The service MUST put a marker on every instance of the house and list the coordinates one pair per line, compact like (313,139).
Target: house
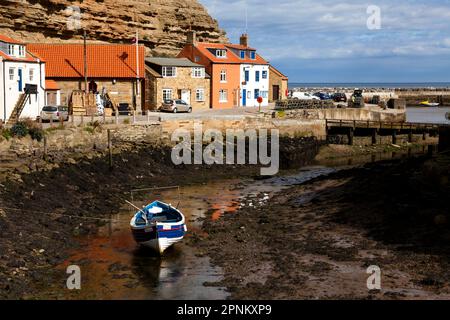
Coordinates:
(176,78)
(238,74)
(22,81)
(278,85)
(111,69)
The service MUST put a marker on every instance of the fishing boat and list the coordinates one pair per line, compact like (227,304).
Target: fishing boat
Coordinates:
(158,226)
(429,104)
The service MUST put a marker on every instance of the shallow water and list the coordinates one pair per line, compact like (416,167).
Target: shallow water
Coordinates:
(427,114)
(114,267)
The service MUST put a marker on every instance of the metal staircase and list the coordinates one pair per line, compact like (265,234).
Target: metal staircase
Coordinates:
(20,104)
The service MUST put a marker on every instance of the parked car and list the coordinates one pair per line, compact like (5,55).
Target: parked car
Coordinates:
(322,95)
(175,106)
(54,113)
(304,96)
(357,99)
(339,97)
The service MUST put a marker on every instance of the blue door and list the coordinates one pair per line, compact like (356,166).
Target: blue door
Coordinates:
(244,98)
(20,80)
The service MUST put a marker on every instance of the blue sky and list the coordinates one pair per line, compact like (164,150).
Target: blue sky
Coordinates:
(329,41)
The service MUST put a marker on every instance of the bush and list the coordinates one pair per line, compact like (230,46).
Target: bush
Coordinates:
(36,133)
(6,133)
(19,129)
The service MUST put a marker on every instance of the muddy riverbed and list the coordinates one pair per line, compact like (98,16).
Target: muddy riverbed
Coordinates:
(206,265)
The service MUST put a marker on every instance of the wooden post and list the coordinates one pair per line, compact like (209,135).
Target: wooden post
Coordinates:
(350,136)
(134,116)
(116,115)
(51,122)
(45,147)
(394,136)
(110,150)
(374,136)
(424,135)
(410,136)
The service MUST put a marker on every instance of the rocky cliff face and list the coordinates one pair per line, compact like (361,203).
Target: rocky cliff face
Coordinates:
(162,24)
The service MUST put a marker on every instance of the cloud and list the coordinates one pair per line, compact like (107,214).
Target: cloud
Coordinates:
(325,29)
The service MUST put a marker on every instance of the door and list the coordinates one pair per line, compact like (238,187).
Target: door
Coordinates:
(186,96)
(244,97)
(20,80)
(276,92)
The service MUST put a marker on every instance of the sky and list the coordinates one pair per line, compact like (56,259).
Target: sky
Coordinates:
(344,41)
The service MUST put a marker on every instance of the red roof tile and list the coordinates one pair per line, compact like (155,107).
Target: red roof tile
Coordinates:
(28,57)
(9,40)
(231,57)
(66,60)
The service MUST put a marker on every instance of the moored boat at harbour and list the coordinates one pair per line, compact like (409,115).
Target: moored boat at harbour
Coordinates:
(158,226)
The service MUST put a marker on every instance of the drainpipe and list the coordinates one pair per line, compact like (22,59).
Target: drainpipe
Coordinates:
(42,87)
(4,91)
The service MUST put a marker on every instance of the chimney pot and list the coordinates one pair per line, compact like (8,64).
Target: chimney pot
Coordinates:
(243,40)
(191,38)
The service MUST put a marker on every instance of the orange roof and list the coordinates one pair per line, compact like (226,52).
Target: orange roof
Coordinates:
(28,57)
(231,57)
(66,60)
(51,85)
(9,40)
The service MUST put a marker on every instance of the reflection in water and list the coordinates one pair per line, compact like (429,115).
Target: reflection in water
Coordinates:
(114,267)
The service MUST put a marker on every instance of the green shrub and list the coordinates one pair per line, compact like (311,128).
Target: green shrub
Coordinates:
(6,133)
(19,129)
(36,133)
(126,121)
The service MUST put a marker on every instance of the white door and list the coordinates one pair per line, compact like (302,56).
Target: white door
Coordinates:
(186,96)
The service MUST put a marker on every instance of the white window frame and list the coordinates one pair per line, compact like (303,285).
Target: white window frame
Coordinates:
(221,53)
(223,95)
(167,74)
(264,74)
(12,73)
(31,74)
(200,94)
(166,92)
(223,76)
(11,50)
(21,51)
(198,72)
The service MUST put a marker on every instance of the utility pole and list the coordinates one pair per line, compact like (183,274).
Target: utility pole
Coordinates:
(85,63)
(138,89)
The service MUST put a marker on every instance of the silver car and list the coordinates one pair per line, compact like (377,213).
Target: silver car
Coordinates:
(55,113)
(175,106)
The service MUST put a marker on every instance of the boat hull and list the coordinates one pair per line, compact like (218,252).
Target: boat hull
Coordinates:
(158,238)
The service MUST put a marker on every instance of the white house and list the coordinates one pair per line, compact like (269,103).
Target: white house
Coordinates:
(22,78)
(254,74)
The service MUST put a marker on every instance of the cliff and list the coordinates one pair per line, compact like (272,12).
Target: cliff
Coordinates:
(162,24)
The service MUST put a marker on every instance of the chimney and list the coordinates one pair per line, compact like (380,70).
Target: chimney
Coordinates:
(243,40)
(191,38)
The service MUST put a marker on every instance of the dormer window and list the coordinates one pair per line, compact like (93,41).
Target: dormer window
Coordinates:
(221,53)
(21,51)
(242,54)
(10,49)
(252,55)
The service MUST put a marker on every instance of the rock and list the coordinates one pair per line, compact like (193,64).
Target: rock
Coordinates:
(162,25)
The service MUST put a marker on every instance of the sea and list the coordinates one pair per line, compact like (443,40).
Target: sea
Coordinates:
(380,85)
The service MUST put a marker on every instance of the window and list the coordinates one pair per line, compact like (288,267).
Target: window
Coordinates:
(249,94)
(221,53)
(257,76)
(263,94)
(256,93)
(167,94)
(31,74)
(247,76)
(200,94)
(242,53)
(223,76)
(169,72)
(223,96)
(10,49)
(264,74)
(21,51)
(252,55)
(198,72)
(11,73)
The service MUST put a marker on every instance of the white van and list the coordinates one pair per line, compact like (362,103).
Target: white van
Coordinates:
(304,96)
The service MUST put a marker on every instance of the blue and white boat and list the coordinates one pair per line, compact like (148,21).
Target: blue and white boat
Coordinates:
(158,226)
